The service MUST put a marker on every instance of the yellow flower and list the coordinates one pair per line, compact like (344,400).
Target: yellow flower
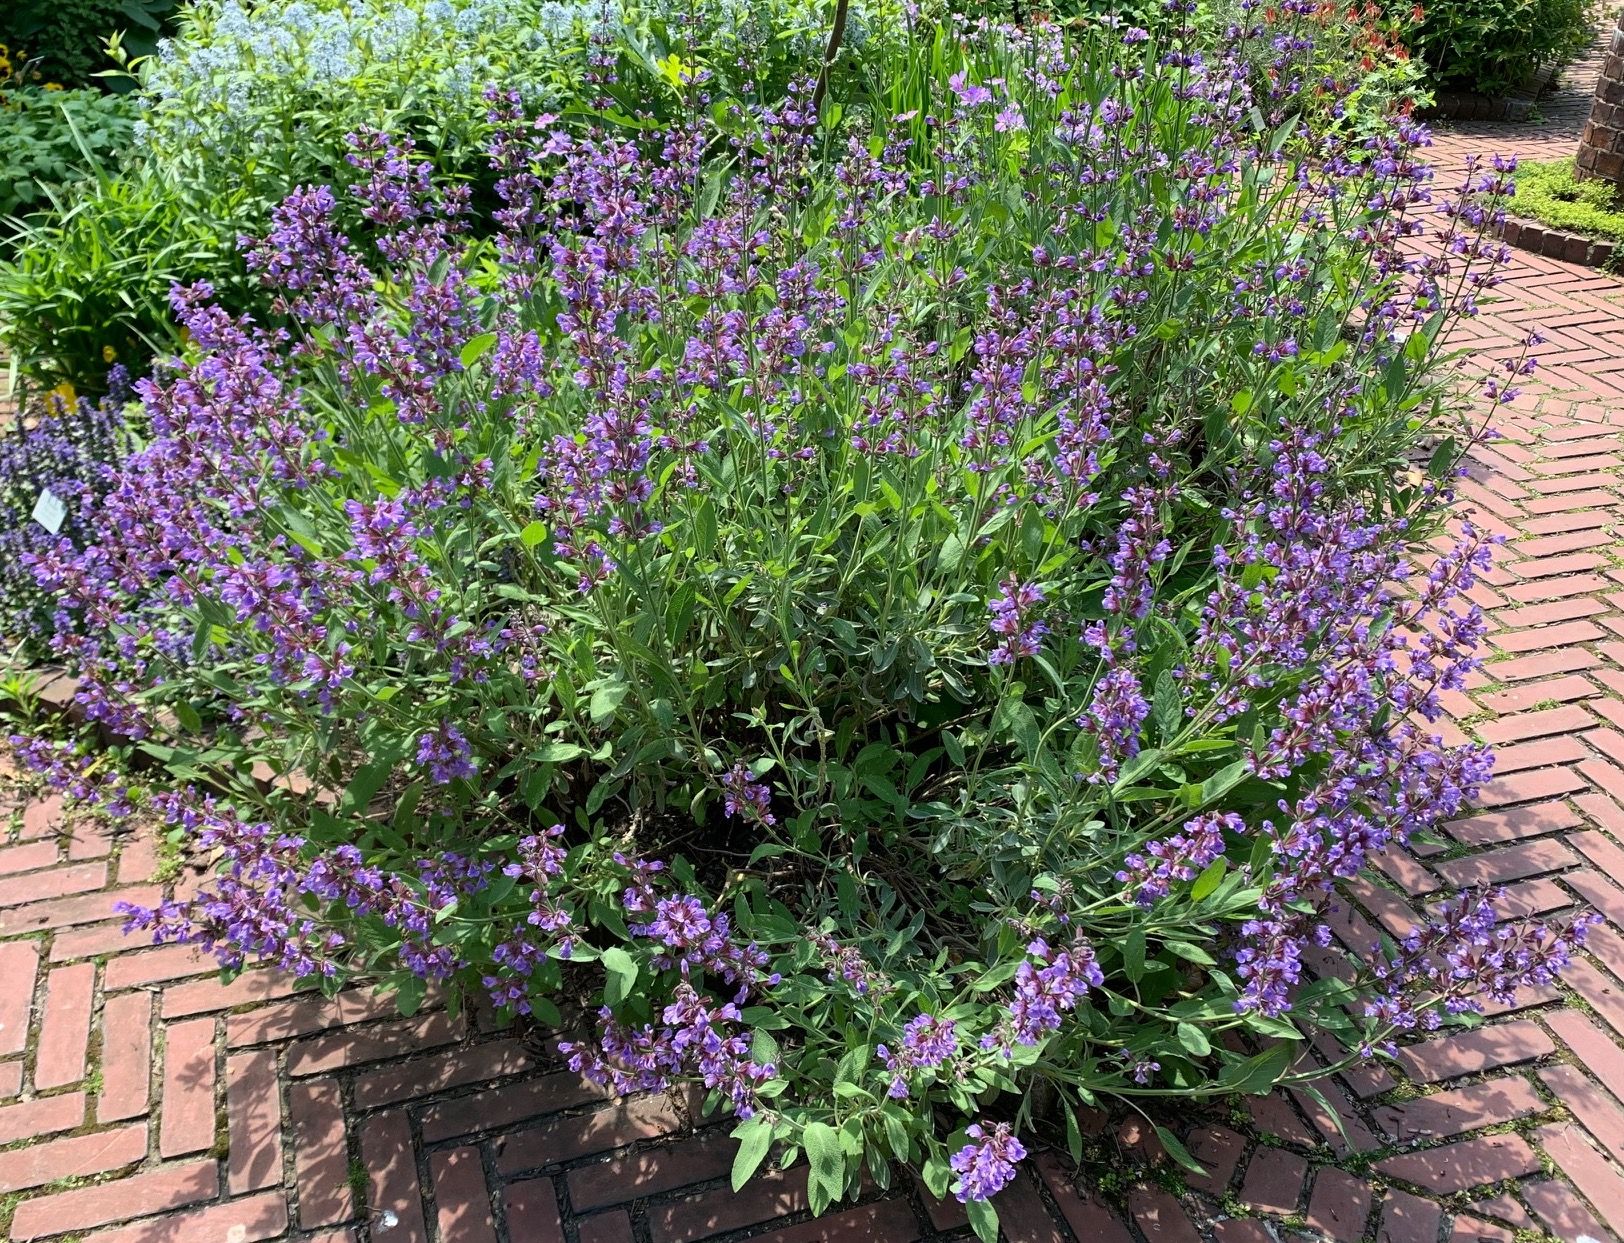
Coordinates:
(53,86)
(108,354)
(64,393)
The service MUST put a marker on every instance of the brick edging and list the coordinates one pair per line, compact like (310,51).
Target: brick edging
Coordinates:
(1553,243)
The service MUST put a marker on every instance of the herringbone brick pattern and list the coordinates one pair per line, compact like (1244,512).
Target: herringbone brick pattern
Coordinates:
(144,1101)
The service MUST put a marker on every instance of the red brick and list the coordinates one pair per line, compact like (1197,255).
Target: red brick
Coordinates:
(1408,1219)
(187,1124)
(1539,753)
(531,1212)
(300,1016)
(1521,698)
(138,860)
(1551,567)
(86,908)
(1579,1160)
(765,1197)
(19,963)
(320,1156)
(472,1064)
(201,996)
(1088,1216)
(90,839)
(168,1186)
(1505,1208)
(1596,1111)
(42,818)
(1219,1150)
(1555,588)
(26,857)
(350,1048)
(1241,1230)
(1514,823)
(1469,1163)
(59,882)
(497,1106)
(95,941)
(126,1057)
(1597,498)
(391,1166)
(1531,897)
(611,1227)
(253,1122)
(1580,519)
(1274,1181)
(157,966)
(1467,1229)
(45,1115)
(1521,726)
(1553,546)
(564,1139)
(1601,990)
(1447,1114)
(1603,811)
(1609,777)
(1495,867)
(73,1157)
(247,1220)
(1542,664)
(1603,1058)
(1274,1116)
(64,1030)
(1465,1053)
(1339,1205)
(1547,638)
(11,1078)
(1161,1217)
(462,1201)
(636,1175)
(888,1221)
(1559,1207)
(1526,786)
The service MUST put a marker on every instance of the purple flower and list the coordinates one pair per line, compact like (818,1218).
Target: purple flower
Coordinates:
(746,796)
(446,754)
(1020,633)
(986,1166)
(1114,717)
(927,1042)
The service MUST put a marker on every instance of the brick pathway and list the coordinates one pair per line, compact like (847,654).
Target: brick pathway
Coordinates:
(142,1101)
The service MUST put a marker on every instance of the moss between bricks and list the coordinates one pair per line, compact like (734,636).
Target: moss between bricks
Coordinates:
(1550,193)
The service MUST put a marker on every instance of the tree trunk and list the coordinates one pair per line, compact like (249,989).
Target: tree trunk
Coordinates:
(1601,146)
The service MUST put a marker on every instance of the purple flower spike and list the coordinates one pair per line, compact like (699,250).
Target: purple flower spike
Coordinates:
(986,1167)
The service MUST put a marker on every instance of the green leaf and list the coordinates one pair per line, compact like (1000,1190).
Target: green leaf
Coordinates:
(1258,1074)
(755,1139)
(533,534)
(606,699)
(1177,1150)
(1223,781)
(187,716)
(556,752)
(477,348)
(1141,765)
(409,996)
(1133,956)
(622,974)
(1194,1040)
(1209,879)
(822,1144)
(983,1220)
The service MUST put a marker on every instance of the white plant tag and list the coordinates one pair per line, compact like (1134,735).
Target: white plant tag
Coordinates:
(49,511)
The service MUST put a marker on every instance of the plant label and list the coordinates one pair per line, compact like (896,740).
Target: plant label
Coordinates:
(49,511)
